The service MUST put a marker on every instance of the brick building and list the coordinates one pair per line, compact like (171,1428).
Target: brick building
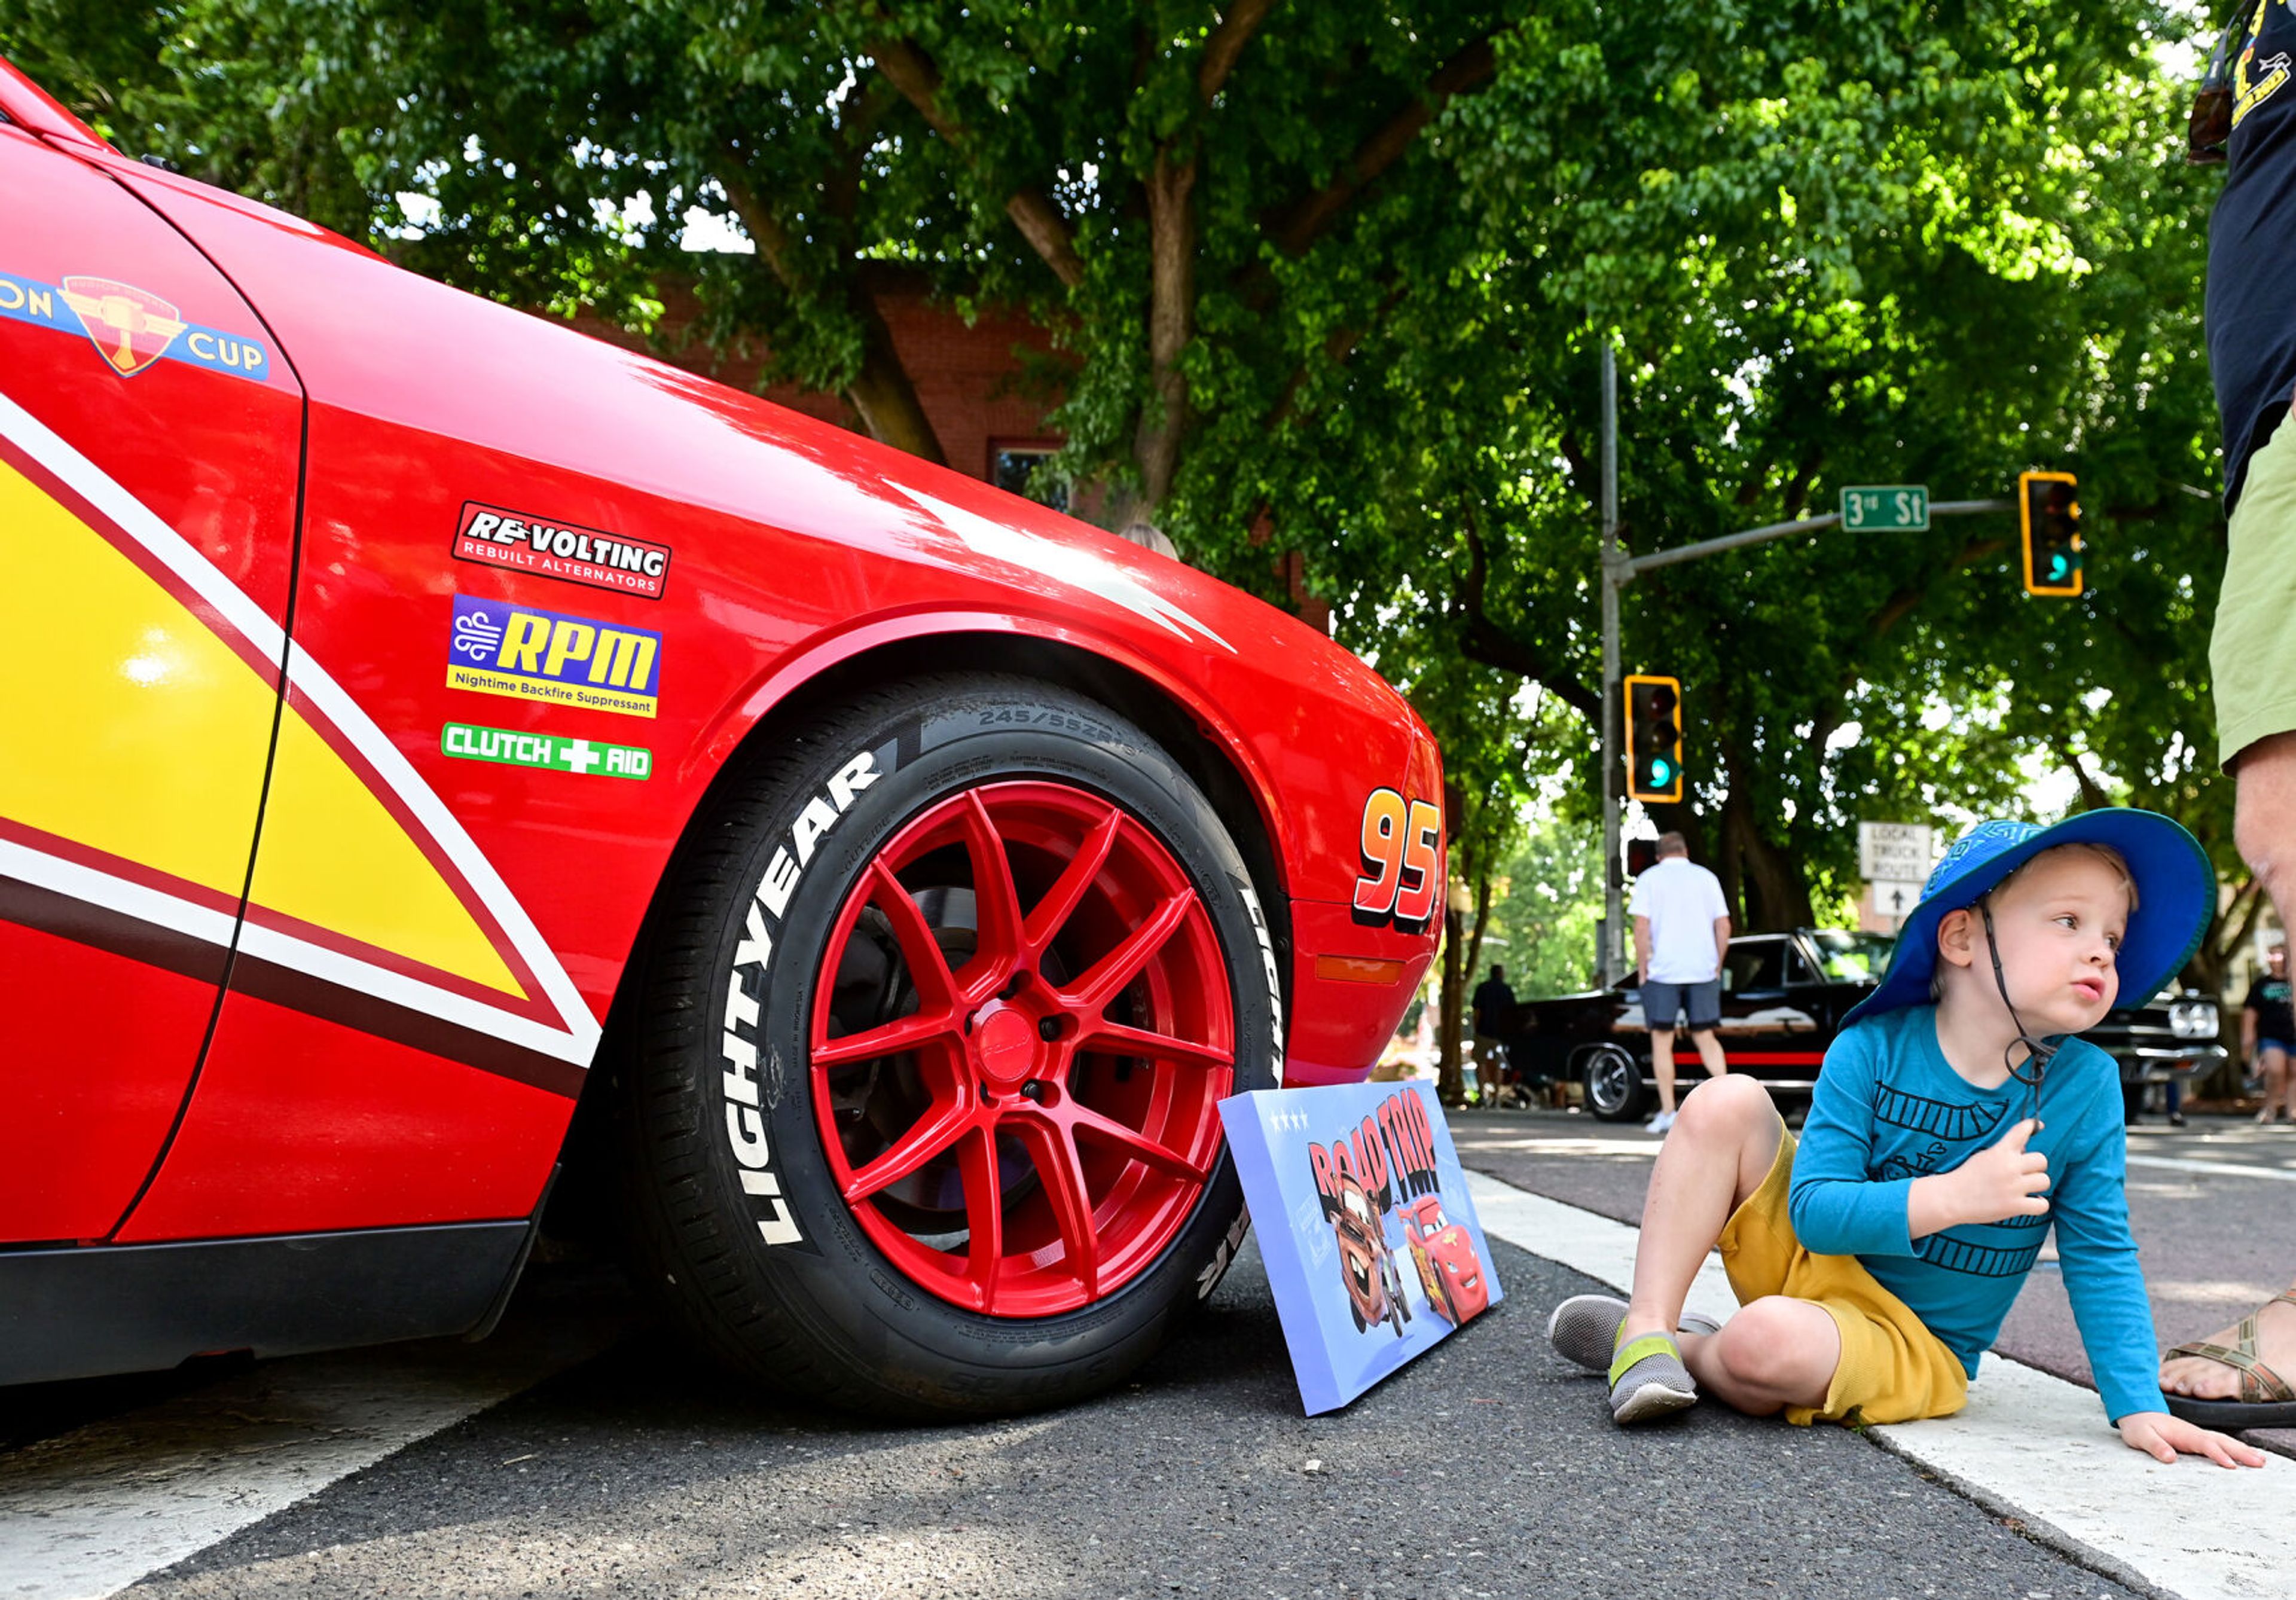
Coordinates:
(972,382)
(968,379)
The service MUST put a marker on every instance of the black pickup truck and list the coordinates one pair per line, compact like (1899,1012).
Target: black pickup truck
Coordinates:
(1784,996)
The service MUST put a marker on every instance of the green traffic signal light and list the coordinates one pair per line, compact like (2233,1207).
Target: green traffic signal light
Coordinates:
(1653,738)
(2049,509)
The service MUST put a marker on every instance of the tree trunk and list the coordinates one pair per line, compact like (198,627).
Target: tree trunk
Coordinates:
(1776,889)
(1171,306)
(1450,1080)
(882,392)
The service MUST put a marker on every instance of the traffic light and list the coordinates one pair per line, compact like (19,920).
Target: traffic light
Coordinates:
(2053,541)
(1654,738)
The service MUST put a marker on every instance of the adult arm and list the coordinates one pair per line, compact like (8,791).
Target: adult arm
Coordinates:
(1721,941)
(1641,947)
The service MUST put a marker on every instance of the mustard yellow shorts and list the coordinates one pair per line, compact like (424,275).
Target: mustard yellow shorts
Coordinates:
(1893,1369)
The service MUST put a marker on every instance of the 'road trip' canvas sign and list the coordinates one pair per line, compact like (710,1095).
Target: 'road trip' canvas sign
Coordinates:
(1364,1218)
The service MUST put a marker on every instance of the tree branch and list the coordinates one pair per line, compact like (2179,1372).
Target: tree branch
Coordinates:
(1486,642)
(1894,609)
(1236,26)
(1304,223)
(880,391)
(2093,795)
(917,80)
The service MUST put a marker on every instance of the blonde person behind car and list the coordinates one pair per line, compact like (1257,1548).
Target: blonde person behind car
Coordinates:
(1955,1119)
(1682,932)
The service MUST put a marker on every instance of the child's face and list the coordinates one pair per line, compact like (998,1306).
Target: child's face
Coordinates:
(2059,924)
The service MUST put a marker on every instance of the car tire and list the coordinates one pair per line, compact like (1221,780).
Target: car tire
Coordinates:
(918,1107)
(1612,1077)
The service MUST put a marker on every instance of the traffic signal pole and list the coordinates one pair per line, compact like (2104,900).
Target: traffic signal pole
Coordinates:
(1619,571)
(1616,576)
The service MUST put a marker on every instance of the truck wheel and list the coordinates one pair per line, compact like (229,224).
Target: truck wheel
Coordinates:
(919,1099)
(1613,1080)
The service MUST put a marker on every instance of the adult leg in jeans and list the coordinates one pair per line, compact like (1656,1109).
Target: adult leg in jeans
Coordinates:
(2272,1066)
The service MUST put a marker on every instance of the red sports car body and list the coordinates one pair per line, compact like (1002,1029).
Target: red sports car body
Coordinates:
(420,720)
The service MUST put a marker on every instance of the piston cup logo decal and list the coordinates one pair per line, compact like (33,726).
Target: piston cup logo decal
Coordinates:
(132,328)
(494,537)
(498,647)
(749,1094)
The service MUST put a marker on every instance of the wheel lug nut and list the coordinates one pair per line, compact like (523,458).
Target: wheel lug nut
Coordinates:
(1032,1090)
(1048,1028)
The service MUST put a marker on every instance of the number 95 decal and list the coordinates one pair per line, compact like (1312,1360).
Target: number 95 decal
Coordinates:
(1402,860)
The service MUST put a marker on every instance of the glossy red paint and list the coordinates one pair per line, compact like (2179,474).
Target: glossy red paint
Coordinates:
(793,546)
(302,1125)
(75,1143)
(94,1073)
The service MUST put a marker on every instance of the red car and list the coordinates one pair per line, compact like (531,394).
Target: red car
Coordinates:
(446,761)
(1450,1271)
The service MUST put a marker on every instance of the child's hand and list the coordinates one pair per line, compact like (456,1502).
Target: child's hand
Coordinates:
(2164,1438)
(2003,1181)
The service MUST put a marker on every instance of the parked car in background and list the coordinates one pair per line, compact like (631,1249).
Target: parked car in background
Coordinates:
(1784,996)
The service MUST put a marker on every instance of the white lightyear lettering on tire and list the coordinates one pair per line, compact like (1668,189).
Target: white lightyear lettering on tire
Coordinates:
(1215,1270)
(753,953)
(1274,984)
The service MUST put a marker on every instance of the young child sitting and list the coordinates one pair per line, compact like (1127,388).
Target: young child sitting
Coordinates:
(1955,1120)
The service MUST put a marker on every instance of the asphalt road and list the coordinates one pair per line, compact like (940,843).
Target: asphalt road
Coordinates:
(1488,1468)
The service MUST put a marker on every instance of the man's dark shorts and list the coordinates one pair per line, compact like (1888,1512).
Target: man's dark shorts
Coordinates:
(1664,1003)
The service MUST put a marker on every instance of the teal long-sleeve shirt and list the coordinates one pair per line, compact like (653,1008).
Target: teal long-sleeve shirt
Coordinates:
(1889,1109)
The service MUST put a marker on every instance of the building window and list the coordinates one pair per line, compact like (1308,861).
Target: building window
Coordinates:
(1021,470)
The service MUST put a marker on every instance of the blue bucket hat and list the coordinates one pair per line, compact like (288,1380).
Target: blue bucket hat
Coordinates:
(2176,888)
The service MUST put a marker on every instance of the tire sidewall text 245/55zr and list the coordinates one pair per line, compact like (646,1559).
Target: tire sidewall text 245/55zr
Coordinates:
(740,1209)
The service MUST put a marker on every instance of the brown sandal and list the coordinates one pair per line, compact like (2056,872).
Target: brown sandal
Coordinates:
(2265,1399)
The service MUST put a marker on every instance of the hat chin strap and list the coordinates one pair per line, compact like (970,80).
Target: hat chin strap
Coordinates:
(2039,1052)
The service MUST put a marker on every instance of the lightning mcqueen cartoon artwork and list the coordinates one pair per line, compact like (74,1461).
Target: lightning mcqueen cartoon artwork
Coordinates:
(448,764)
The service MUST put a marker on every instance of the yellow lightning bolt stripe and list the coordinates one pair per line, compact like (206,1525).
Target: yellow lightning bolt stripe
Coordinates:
(128,726)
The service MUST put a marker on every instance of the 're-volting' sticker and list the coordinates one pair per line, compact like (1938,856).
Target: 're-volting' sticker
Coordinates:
(494,537)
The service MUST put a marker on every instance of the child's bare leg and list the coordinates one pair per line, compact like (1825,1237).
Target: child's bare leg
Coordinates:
(1717,1155)
(1774,1353)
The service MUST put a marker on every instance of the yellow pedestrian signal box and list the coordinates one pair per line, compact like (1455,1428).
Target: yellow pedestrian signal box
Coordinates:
(2051,513)
(1654,738)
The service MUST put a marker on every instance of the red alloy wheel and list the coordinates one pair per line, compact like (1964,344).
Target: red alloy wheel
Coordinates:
(1022,1125)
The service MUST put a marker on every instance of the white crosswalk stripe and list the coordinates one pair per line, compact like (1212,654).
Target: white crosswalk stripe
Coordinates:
(2030,1444)
(88,1513)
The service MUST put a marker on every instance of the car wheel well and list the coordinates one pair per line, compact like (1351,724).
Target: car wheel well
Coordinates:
(578,1207)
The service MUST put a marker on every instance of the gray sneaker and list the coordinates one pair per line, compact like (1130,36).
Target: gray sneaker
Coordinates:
(1648,1380)
(1583,1329)
(1659,1123)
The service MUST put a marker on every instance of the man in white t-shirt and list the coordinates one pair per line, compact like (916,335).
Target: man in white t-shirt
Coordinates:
(1681,931)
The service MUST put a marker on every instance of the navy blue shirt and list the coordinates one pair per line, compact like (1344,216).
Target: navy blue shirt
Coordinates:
(2251,308)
